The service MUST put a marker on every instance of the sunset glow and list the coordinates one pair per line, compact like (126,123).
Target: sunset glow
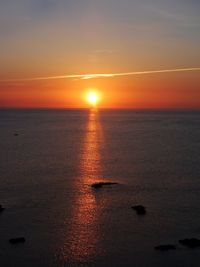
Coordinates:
(99,115)
(92,98)
(140,54)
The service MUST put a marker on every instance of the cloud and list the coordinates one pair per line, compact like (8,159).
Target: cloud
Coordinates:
(101,75)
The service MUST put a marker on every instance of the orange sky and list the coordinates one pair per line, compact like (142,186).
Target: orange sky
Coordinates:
(49,38)
(167,90)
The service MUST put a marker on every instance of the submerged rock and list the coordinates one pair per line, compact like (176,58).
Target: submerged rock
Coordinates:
(1,208)
(16,134)
(190,242)
(17,240)
(139,209)
(165,247)
(101,184)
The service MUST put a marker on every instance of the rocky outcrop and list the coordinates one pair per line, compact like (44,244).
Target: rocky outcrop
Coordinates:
(1,208)
(190,242)
(101,184)
(165,247)
(139,209)
(17,240)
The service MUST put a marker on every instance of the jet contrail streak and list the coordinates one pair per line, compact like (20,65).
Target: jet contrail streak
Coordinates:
(100,75)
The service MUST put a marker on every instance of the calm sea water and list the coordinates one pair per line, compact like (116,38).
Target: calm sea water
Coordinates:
(46,174)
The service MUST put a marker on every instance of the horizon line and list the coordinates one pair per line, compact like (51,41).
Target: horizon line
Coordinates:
(103,108)
(101,75)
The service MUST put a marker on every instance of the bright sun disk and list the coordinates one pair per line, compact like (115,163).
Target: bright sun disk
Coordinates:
(92,98)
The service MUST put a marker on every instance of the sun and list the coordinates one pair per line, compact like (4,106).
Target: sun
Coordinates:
(92,98)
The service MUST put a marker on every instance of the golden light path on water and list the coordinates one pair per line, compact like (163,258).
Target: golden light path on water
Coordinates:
(83,234)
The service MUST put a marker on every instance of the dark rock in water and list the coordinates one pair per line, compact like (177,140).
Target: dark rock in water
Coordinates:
(17,240)
(97,185)
(190,242)
(16,134)
(165,247)
(139,209)
(1,208)
(101,184)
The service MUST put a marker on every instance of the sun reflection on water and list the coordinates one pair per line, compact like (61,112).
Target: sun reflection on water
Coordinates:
(82,239)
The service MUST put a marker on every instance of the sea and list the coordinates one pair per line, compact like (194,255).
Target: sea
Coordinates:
(49,160)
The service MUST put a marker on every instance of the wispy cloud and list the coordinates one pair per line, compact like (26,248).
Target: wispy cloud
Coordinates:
(101,75)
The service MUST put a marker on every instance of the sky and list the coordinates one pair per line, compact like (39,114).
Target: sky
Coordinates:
(48,38)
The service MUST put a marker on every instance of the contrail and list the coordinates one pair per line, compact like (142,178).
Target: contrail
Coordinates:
(100,75)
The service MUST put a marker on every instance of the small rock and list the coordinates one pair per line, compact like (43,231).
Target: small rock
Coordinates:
(190,242)
(139,209)
(1,208)
(17,240)
(165,247)
(101,184)
(16,134)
